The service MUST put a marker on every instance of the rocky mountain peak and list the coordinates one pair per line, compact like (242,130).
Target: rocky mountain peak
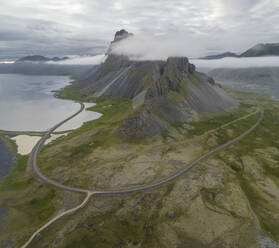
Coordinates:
(161,92)
(121,34)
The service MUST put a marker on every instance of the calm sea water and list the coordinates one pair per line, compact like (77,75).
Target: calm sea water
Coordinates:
(7,161)
(27,103)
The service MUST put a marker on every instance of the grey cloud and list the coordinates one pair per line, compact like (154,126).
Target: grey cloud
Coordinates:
(77,26)
(12,36)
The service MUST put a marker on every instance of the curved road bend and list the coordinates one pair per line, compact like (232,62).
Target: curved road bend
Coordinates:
(40,144)
(38,147)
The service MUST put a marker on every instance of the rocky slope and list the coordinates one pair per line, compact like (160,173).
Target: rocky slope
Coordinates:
(162,92)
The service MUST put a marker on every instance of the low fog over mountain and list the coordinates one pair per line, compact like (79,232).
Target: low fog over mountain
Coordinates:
(207,65)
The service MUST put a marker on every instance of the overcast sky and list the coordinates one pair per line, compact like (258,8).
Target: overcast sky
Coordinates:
(87,26)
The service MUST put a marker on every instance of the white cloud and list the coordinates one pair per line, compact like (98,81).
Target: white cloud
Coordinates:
(81,60)
(158,47)
(236,62)
(70,24)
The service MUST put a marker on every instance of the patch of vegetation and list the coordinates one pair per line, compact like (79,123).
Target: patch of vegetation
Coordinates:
(211,122)
(42,205)
(167,134)
(148,80)
(72,92)
(271,171)
(262,208)
(262,138)
(11,181)
(79,144)
(117,226)
(265,132)
(114,110)
(30,202)
(237,129)
(113,232)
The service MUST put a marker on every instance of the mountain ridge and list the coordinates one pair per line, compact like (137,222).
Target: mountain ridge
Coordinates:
(40,58)
(262,50)
(220,56)
(259,50)
(162,92)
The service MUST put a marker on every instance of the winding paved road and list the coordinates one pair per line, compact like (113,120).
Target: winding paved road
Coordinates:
(89,193)
(40,144)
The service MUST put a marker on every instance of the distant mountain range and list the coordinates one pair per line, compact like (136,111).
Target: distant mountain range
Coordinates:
(268,49)
(39,58)
(262,50)
(220,56)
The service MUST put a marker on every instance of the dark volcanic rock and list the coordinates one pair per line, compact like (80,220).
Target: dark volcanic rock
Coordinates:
(180,64)
(122,34)
(162,92)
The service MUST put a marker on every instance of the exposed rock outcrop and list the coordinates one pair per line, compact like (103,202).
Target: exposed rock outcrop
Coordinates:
(122,34)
